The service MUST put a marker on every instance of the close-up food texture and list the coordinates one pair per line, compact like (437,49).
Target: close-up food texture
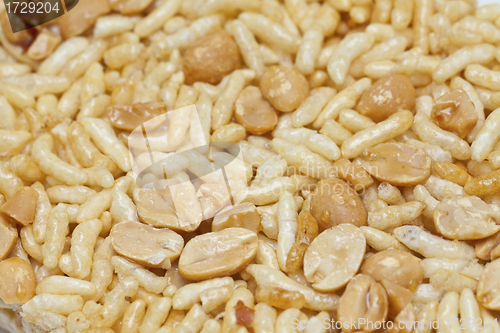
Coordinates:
(251,166)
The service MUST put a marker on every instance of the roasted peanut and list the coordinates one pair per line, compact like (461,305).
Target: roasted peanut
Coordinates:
(387,96)
(466,218)
(407,315)
(128,117)
(495,253)
(486,248)
(156,208)
(488,292)
(363,298)
(395,266)
(334,202)
(306,233)
(398,164)
(454,112)
(82,17)
(25,37)
(21,207)
(334,257)
(17,281)
(151,247)
(211,58)
(216,254)
(254,112)
(243,215)
(284,88)
(8,238)
(354,174)
(398,297)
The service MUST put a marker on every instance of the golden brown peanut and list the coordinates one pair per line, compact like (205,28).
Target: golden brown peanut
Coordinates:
(254,112)
(21,207)
(495,253)
(488,293)
(307,231)
(352,173)
(216,254)
(17,281)
(23,38)
(8,238)
(454,112)
(128,7)
(407,315)
(284,88)
(334,202)
(211,58)
(150,247)
(487,183)
(485,247)
(334,257)
(465,218)
(156,208)
(395,266)
(398,164)
(243,215)
(82,18)
(451,172)
(387,96)
(129,117)
(281,298)
(398,297)
(363,298)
